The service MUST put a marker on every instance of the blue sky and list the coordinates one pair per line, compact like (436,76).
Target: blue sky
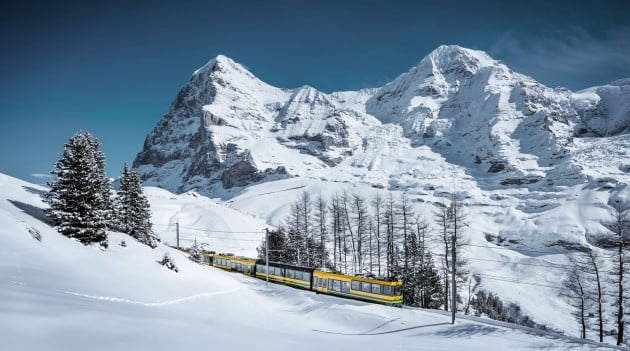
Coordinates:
(113,69)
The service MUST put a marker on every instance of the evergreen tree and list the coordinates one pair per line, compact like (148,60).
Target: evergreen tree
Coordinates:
(79,195)
(133,210)
(277,247)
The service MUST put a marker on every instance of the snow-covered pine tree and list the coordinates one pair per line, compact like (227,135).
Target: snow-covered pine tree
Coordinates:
(133,210)
(79,193)
(104,183)
(121,204)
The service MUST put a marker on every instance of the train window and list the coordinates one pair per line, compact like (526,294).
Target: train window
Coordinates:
(376,288)
(356,285)
(336,285)
(366,287)
(290,273)
(323,283)
(345,287)
(306,276)
(387,290)
(397,290)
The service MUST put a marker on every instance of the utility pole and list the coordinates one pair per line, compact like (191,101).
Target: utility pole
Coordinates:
(267,254)
(177,232)
(453,282)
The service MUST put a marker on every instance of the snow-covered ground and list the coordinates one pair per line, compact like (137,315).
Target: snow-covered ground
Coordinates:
(60,295)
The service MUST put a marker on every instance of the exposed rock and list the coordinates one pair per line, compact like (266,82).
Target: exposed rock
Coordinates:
(496,167)
(521,180)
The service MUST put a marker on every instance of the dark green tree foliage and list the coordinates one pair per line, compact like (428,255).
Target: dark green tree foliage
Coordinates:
(277,247)
(79,195)
(133,213)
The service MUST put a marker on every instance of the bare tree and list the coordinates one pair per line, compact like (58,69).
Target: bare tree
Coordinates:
(404,210)
(377,206)
(335,212)
(619,228)
(587,263)
(320,216)
(578,295)
(390,223)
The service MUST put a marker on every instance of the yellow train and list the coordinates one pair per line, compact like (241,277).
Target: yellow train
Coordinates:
(360,288)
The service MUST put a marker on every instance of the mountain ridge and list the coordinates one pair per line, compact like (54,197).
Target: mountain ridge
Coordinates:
(451,100)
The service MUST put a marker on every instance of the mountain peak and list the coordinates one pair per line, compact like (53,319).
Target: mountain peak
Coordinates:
(445,58)
(223,64)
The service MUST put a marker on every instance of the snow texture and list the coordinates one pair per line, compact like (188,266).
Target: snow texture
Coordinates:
(58,294)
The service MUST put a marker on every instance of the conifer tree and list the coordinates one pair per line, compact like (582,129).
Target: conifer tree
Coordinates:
(79,195)
(133,210)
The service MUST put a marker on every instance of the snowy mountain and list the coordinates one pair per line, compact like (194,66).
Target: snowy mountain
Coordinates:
(536,167)
(228,129)
(58,294)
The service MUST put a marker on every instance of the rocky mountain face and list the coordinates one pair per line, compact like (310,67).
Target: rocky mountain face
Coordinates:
(227,129)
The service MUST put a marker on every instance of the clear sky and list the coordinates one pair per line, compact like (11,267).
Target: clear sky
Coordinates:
(113,69)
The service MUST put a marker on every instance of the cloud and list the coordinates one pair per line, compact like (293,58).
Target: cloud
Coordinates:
(573,50)
(41,175)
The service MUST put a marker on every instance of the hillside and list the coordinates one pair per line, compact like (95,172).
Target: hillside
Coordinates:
(60,295)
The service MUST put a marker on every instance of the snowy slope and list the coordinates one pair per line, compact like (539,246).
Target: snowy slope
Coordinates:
(60,295)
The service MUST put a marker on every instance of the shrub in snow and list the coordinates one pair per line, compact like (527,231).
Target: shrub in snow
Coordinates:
(79,196)
(168,262)
(35,233)
(194,253)
(123,243)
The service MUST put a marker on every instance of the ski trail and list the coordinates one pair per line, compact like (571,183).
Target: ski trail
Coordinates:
(152,304)
(384,332)
(381,325)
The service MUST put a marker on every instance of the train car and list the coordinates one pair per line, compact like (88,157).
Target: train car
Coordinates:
(296,276)
(371,290)
(206,258)
(237,264)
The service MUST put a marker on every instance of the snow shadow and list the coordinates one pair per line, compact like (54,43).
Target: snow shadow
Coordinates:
(386,332)
(469,330)
(32,211)
(32,190)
